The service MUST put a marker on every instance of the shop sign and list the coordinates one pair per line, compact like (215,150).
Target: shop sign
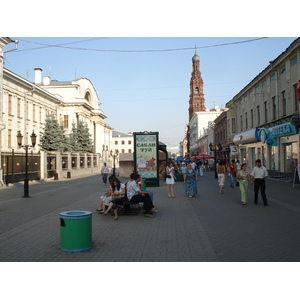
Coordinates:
(282,130)
(250,136)
(234,150)
(269,135)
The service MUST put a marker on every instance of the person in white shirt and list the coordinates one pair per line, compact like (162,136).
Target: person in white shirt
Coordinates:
(104,172)
(135,195)
(259,174)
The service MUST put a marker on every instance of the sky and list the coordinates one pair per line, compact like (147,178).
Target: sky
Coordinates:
(150,91)
(143,82)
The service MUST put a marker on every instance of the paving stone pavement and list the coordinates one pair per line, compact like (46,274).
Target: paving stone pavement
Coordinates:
(210,227)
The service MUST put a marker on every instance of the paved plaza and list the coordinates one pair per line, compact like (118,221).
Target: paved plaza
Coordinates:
(210,227)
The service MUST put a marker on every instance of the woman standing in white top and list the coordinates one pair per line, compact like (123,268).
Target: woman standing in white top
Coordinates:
(170,180)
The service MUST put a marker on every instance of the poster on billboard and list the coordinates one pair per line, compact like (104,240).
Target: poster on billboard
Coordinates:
(146,154)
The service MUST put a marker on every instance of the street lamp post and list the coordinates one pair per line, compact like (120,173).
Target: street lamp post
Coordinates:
(215,148)
(114,156)
(26,147)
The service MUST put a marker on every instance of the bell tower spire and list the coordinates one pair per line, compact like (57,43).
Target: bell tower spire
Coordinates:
(197,101)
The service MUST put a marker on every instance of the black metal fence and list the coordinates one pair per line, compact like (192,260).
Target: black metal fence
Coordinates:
(13,166)
(286,176)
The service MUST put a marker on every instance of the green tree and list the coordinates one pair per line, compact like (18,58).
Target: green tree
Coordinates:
(84,137)
(73,138)
(80,138)
(52,137)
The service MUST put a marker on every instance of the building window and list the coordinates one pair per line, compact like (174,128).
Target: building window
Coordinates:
(123,151)
(10,104)
(19,108)
(283,97)
(129,142)
(9,138)
(129,150)
(294,61)
(251,93)
(233,125)
(123,142)
(241,120)
(296,102)
(264,84)
(33,112)
(273,77)
(257,89)
(66,121)
(40,114)
(274,107)
(196,90)
(251,117)
(266,111)
(246,119)
(116,142)
(258,114)
(282,70)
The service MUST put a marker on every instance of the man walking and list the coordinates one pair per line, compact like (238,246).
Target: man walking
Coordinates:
(104,173)
(259,174)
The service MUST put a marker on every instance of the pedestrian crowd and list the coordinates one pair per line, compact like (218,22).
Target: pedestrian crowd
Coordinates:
(132,192)
(243,178)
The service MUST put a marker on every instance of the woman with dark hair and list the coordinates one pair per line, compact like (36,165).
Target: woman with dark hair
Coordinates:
(243,178)
(118,197)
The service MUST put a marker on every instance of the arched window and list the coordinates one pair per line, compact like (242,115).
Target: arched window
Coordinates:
(196,90)
(88,97)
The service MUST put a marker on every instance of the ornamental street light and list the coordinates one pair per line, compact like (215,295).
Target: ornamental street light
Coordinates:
(26,147)
(215,148)
(114,156)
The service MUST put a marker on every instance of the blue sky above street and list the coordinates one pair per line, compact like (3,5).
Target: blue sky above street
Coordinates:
(143,82)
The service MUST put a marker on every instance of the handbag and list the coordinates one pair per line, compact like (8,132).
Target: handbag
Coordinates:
(169,176)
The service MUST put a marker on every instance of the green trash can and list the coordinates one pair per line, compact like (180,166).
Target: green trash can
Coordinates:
(75,231)
(144,186)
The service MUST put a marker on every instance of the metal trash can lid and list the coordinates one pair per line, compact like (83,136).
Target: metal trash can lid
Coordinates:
(75,214)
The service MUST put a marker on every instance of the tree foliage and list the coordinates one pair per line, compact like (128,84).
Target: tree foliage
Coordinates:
(53,137)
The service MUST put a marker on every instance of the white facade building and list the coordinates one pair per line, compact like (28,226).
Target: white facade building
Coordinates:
(198,124)
(26,105)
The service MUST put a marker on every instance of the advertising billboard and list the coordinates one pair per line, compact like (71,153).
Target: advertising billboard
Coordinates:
(146,156)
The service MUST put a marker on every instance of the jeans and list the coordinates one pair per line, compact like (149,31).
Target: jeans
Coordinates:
(118,201)
(232,179)
(104,178)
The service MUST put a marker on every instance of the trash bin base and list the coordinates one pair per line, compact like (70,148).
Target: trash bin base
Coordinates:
(77,250)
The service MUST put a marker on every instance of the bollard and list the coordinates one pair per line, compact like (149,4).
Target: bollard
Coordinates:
(75,231)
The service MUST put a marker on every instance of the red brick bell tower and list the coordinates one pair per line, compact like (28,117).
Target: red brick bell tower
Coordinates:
(197,101)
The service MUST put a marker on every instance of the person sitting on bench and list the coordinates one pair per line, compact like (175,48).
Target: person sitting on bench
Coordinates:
(135,195)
